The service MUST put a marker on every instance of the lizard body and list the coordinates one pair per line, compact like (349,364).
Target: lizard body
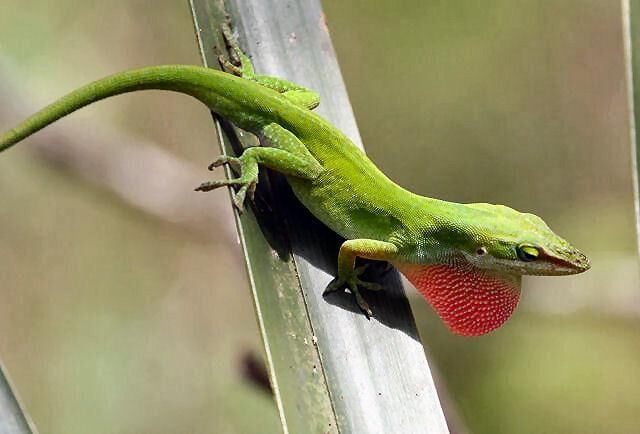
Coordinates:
(466,259)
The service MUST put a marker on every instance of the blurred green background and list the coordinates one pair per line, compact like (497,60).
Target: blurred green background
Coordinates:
(112,320)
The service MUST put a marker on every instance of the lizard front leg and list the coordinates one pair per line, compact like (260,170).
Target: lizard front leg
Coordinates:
(349,277)
(283,152)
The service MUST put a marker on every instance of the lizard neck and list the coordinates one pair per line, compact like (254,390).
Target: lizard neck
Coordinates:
(434,231)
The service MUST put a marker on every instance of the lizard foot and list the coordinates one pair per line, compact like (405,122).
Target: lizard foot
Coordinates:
(247,188)
(247,181)
(353,283)
(236,62)
(234,162)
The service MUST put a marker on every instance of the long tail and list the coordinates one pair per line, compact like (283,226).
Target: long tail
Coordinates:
(191,80)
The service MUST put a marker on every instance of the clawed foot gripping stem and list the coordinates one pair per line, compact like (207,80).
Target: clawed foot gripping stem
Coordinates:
(353,283)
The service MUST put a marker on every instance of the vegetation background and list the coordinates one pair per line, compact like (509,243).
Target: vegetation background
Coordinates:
(115,321)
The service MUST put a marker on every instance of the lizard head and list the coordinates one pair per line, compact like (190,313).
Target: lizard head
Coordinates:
(503,239)
(475,286)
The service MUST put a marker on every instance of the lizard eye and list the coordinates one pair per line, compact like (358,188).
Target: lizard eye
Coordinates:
(481,251)
(527,253)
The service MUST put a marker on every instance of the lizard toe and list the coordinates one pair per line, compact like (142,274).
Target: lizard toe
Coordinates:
(333,286)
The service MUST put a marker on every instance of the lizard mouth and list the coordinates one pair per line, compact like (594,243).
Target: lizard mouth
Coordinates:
(550,263)
(554,264)
(567,262)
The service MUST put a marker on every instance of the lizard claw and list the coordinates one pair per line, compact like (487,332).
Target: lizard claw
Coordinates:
(224,159)
(249,189)
(229,67)
(234,61)
(247,181)
(211,185)
(246,188)
(352,283)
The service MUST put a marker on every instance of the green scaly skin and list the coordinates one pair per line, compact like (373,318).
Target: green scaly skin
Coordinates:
(335,180)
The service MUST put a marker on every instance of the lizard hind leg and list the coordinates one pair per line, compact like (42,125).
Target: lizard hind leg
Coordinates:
(299,95)
(245,68)
(295,93)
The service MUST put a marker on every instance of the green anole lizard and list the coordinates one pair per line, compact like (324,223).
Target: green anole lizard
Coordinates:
(465,259)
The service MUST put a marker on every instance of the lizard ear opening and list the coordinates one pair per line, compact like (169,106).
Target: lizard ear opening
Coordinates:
(470,301)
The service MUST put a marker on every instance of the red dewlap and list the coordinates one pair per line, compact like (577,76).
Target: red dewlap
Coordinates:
(470,301)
